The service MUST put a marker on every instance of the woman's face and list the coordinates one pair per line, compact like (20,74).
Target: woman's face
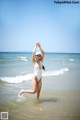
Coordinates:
(38,57)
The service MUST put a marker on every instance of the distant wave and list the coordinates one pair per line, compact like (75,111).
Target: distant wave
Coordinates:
(71,59)
(23,58)
(27,77)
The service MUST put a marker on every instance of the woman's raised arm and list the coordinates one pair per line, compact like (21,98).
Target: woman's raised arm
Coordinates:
(42,51)
(33,54)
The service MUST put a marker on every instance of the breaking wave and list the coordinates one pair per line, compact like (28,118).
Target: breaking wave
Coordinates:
(27,77)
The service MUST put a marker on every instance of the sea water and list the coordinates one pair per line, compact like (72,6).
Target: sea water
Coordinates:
(61,85)
(16,67)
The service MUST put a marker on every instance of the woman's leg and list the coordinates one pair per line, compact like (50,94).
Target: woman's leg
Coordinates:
(34,87)
(38,90)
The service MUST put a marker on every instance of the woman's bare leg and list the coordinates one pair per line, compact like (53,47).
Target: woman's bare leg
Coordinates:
(38,90)
(34,87)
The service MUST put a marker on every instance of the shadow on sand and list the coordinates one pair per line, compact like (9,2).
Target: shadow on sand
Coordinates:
(49,100)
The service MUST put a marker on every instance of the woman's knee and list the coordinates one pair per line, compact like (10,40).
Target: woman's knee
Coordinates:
(34,91)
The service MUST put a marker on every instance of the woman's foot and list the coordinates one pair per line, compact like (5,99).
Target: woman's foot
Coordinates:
(20,92)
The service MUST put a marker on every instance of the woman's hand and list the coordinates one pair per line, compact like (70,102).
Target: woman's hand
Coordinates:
(38,45)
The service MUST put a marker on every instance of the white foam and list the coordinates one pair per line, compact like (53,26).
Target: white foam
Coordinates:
(71,59)
(17,79)
(23,58)
(55,72)
(27,77)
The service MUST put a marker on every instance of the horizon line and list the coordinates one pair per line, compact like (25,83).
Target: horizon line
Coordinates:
(31,52)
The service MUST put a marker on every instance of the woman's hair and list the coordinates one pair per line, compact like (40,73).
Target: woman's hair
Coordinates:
(43,67)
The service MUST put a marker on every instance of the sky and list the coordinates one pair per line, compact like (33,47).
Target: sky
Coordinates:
(25,22)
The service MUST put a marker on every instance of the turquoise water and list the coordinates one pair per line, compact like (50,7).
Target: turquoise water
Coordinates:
(16,67)
(14,63)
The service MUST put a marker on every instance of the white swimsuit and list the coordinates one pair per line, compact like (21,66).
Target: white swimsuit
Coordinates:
(38,70)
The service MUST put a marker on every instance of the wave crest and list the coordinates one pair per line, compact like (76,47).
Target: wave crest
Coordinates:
(27,77)
(55,72)
(22,58)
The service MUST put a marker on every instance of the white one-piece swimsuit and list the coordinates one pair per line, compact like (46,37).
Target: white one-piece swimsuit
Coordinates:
(38,70)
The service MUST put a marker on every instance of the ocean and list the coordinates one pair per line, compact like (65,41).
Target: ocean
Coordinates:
(60,94)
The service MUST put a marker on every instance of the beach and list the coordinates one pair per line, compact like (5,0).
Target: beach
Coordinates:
(60,94)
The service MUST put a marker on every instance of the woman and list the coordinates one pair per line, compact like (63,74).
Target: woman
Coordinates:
(37,58)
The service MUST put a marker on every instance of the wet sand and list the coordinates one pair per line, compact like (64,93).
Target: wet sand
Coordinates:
(51,106)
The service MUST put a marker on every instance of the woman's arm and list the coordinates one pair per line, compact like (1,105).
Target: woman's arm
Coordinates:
(42,51)
(33,54)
